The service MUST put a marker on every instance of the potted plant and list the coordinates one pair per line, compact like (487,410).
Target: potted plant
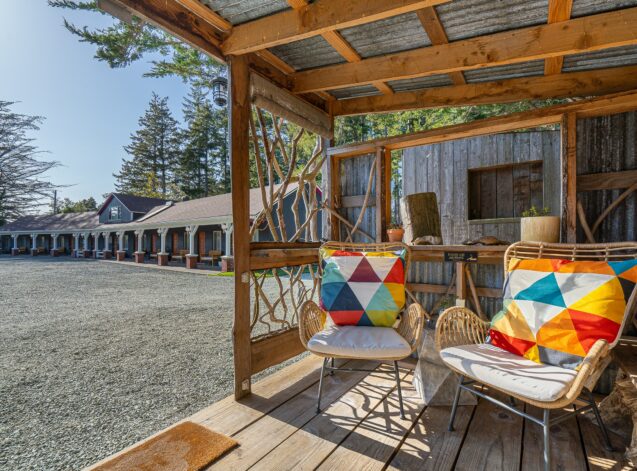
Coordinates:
(395,232)
(539,226)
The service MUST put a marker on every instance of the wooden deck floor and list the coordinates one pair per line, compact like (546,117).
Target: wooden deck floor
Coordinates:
(360,428)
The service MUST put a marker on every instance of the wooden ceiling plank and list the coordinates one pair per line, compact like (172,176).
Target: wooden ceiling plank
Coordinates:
(437,35)
(180,22)
(314,19)
(207,14)
(610,104)
(574,84)
(559,10)
(591,33)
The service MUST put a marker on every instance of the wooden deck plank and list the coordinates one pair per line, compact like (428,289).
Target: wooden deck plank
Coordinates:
(373,442)
(310,445)
(273,429)
(430,446)
(599,459)
(494,440)
(566,446)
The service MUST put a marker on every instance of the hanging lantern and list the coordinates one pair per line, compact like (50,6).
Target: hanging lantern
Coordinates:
(220,91)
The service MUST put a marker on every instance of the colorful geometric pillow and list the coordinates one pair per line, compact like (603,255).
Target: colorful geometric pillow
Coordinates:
(555,310)
(363,288)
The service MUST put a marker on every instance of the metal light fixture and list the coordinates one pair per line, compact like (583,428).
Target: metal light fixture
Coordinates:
(220,91)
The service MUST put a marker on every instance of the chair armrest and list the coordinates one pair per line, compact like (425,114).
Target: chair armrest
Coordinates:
(460,326)
(412,324)
(311,321)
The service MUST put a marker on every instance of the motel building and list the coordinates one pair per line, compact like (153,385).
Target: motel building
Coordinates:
(145,230)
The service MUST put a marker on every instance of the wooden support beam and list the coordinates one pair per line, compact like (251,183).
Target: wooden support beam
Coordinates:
(461,284)
(207,14)
(606,105)
(443,289)
(606,180)
(559,10)
(590,33)
(314,19)
(573,84)
(240,109)
(262,259)
(334,195)
(437,35)
(569,177)
(180,22)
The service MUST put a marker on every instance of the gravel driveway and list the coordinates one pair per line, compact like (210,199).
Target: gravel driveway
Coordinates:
(95,356)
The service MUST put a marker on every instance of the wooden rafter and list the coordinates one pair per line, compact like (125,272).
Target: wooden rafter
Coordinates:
(314,19)
(340,45)
(606,105)
(180,22)
(573,84)
(207,14)
(559,10)
(437,35)
(591,33)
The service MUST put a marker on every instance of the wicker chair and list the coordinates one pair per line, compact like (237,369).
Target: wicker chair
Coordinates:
(312,321)
(459,326)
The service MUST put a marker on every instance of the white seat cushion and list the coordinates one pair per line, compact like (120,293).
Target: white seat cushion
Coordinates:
(495,367)
(359,342)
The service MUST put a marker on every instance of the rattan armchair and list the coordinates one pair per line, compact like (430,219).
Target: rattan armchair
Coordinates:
(459,326)
(312,320)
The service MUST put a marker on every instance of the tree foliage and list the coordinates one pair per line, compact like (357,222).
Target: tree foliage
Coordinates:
(81,206)
(23,185)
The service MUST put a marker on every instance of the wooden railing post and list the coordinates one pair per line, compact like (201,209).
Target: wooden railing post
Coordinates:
(382,194)
(240,110)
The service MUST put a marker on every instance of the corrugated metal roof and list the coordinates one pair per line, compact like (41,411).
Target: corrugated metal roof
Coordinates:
(615,57)
(406,85)
(503,72)
(240,11)
(469,18)
(591,7)
(398,33)
(354,92)
(308,53)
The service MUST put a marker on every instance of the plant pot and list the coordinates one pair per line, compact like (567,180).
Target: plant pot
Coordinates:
(395,235)
(540,229)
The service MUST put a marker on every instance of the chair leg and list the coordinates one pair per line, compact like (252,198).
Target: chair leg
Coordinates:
(600,422)
(320,391)
(547,444)
(400,392)
(454,407)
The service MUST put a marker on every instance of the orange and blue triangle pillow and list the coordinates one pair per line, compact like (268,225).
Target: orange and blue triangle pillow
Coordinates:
(363,288)
(555,310)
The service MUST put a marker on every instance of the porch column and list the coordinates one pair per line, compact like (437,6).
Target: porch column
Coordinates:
(121,253)
(96,240)
(192,257)
(107,245)
(34,244)
(54,250)
(227,228)
(139,254)
(14,249)
(87,252)
(162,256)
(76,244)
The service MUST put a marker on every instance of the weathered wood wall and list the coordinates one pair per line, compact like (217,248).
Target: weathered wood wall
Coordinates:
(443,169)
(608,144)
(354,176)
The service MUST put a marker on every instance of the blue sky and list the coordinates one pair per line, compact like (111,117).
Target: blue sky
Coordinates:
(90,109)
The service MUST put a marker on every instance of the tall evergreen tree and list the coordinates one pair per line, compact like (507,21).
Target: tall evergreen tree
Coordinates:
(23,188)
(154,151)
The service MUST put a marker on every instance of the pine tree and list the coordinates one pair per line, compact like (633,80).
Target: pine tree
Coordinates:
(154,151)
(23,189)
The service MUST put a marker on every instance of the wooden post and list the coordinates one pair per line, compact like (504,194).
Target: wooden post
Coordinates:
(569,177)
(335,194)
(461,285)
(240,110)
(383,192)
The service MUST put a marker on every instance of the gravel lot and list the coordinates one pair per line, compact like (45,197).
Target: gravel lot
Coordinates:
(95,356)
